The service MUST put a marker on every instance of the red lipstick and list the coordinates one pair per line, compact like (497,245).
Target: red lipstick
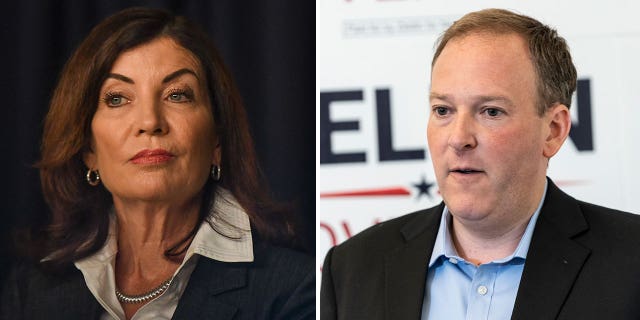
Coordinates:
(155,156)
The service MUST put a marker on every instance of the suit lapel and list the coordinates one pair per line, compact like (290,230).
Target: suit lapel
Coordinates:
(209,279)
(554,259)
(64,290)
(406,267)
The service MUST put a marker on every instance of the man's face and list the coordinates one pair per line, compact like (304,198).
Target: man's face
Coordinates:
(485,137)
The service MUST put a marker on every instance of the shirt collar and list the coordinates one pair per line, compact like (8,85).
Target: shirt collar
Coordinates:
(443,246)
(227,236)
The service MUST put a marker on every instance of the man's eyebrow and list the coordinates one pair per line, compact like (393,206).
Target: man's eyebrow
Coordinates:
(439,96)
(503,99)
(178,73)
(166,79)
(477,99)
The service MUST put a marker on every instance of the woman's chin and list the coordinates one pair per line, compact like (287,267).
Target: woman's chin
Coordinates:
(160,194)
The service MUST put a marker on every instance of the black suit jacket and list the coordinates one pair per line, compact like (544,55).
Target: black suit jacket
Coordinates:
(279,284)
(583,263)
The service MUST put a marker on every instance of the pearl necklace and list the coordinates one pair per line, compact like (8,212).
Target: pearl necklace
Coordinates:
(145,296)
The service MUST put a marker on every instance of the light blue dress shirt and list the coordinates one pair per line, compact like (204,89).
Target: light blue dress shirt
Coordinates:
(457,289)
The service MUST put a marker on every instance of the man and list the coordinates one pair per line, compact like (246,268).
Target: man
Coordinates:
(505,243)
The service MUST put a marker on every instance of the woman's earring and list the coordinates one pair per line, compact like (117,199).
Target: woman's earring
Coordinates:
(93,177)
(216,172)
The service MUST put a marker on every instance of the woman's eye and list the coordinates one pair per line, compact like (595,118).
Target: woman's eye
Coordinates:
(177,97)
(115,100)
(180,96)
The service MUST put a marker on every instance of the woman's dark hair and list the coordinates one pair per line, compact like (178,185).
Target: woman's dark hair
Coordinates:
(79,220)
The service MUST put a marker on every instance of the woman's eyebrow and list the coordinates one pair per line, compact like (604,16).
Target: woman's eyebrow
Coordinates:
(178,73)
(166,79)
(120,77)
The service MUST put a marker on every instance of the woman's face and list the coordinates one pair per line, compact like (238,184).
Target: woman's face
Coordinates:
(153,131)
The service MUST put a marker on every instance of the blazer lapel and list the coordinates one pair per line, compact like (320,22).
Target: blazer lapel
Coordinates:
(406,267)
(554,259)
(66,289)
(209,279)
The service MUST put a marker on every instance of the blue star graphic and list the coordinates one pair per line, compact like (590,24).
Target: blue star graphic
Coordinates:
(424,187)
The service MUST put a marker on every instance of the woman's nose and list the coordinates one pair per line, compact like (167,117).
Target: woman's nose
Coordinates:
(151,118)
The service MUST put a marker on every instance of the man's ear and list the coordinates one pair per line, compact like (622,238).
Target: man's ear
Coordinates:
(558,118)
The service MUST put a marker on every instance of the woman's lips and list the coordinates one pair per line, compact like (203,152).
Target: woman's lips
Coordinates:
(155,156)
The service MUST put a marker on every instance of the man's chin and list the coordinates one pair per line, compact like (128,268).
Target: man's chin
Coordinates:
(468,206)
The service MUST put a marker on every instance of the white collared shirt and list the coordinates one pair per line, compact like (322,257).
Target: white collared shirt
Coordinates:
(230,242)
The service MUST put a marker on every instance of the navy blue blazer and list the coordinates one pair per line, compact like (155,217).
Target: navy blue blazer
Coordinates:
(583,263)
(278,284)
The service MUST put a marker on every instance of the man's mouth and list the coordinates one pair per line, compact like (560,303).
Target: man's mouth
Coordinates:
(465,171)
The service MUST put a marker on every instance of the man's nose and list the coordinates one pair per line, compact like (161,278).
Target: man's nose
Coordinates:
(462,135)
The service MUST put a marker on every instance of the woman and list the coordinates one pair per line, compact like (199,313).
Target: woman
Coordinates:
(157,207)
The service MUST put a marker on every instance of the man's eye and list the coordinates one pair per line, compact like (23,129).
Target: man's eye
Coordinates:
(493,112)
(441,111)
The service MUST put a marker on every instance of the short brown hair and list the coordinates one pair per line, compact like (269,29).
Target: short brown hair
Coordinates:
(79,221)
(548,51)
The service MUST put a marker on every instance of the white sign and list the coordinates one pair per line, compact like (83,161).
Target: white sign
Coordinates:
(374,66)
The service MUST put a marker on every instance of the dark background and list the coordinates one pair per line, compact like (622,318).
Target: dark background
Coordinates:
(268,45)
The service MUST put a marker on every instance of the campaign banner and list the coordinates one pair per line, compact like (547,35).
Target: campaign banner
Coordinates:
(374,70)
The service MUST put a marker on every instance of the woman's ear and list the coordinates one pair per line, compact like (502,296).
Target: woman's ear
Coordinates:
(558,118)
(217,154)
(89,159)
